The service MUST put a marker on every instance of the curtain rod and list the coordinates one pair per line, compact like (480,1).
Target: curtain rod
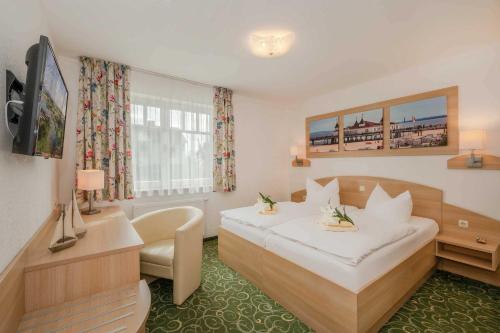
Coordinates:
(168,76)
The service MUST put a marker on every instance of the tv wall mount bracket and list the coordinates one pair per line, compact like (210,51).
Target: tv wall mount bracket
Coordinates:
(14,103)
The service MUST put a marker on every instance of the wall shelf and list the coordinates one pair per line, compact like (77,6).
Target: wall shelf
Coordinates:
(490,162)
(305,163)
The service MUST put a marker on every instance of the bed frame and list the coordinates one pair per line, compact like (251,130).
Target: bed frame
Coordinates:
(322,304)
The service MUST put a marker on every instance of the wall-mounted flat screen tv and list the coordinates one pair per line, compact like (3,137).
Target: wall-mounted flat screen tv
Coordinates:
(42,124)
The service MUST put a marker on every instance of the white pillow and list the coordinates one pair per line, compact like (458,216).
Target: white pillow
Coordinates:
(319,196)
(377,197)
(384,209)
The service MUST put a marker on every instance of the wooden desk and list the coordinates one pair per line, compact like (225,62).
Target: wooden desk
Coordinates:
(107,213)
(106,258)
(123,310)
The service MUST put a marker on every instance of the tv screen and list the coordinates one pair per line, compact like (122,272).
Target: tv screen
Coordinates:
(41,126)
(51,109)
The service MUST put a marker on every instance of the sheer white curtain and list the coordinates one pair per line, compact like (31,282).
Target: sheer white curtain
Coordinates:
(171,136)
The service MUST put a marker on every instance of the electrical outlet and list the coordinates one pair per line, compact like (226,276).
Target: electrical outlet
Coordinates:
(463,224)
(362,188)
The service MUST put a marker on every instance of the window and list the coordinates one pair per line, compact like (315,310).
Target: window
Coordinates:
(171,145)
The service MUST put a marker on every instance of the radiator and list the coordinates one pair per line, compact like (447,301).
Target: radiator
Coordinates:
(146,207)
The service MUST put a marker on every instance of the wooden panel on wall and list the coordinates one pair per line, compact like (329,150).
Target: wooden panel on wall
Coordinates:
(479,225)
(12,295)
(451,148)
(427,201)
(12,281)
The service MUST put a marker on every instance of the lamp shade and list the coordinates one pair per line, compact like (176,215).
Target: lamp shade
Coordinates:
(89,180)
(473,139)
(294,151)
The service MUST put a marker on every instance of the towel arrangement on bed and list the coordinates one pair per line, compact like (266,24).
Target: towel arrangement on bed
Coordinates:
(349,248)
(383,222)
(287,211)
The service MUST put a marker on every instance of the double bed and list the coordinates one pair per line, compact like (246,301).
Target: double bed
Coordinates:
(326,293)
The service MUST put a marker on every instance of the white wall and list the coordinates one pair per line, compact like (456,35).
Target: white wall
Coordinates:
(261,138)
(477,73)
(28,185)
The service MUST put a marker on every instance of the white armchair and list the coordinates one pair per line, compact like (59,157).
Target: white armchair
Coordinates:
(173,241)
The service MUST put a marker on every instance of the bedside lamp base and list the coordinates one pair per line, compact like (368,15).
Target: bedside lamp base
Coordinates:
(91,210)
(475,160)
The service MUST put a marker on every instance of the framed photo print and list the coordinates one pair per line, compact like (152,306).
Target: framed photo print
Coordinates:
(364,130)
(323,135)
(421,124)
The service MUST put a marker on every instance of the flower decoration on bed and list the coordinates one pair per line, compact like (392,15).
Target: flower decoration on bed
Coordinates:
(266,205)
(333,219)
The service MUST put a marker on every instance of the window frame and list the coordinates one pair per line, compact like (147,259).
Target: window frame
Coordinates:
(165,125)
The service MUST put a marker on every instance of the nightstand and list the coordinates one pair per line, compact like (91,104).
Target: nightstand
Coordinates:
(467,251)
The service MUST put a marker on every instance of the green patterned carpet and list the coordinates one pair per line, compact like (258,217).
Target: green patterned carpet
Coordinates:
(226,302)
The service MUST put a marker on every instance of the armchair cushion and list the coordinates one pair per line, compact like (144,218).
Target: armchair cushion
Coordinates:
(160,252)
(163,224)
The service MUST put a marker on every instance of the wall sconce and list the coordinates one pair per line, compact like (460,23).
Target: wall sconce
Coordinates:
(298,162)
(473,141)
(294,152)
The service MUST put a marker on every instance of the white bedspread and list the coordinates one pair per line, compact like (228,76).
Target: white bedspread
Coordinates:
(286,211)
(349,247)
(371,268)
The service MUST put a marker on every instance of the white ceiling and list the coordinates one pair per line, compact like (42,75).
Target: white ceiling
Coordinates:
(338,43)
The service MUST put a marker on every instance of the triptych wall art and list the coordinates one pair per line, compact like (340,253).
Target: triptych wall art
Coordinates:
(422,124)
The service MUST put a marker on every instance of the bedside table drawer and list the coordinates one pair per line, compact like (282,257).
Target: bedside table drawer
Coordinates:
(466,256)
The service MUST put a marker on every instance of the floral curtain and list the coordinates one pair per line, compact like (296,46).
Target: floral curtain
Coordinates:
(103,126)
(224,163)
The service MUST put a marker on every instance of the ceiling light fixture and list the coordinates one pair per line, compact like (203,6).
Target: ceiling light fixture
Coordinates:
(271,44)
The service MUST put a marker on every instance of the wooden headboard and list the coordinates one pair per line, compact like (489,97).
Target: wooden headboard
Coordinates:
(427,201)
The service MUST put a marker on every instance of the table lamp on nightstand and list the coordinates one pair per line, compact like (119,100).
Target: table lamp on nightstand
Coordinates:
(90,180)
